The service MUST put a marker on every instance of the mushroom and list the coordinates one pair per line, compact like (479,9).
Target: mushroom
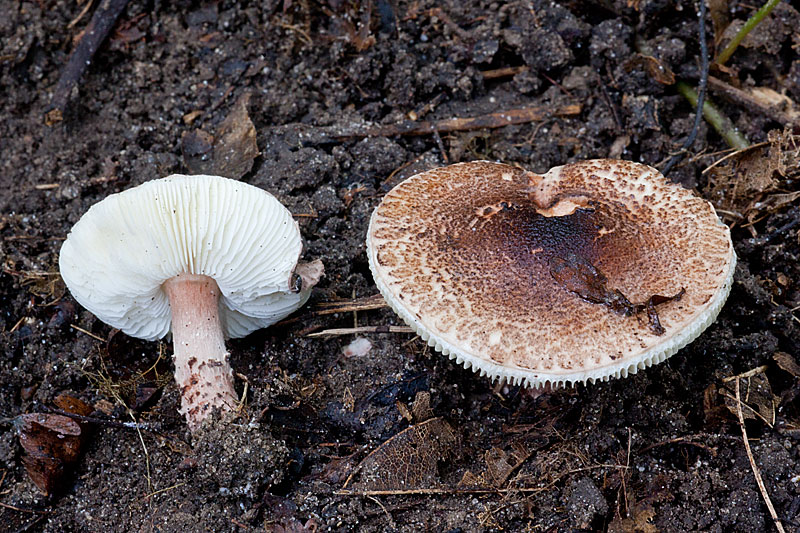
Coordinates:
(593,270)
(204,257)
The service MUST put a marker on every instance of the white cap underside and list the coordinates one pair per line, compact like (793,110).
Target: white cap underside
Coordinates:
(124,248)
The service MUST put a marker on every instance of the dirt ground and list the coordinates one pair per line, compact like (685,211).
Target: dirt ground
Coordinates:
(659,451)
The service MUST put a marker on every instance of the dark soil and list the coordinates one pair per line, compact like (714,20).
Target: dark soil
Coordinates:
(658,451)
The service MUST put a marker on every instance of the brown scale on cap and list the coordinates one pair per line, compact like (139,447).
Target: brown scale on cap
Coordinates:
(466,255)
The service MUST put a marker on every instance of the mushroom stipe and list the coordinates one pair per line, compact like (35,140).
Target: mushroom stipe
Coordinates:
(530,278)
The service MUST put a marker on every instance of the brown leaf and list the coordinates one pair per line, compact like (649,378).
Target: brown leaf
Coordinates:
(282,516)
(70,404)
(718,10)
(52,443)
(229,153)
(197,146)
(654,68)
(408,460)
(758,402)
(470,480)
(421,409)
(714,412)
(404,411)
(145,396)
(786,362)
(235,147)
(640,521)
(500,465)
(749,181)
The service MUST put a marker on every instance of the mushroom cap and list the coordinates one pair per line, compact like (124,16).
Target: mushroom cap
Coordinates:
(464,254)
(118,255)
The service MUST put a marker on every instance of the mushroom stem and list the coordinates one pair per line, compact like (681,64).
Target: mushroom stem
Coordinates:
(202,372)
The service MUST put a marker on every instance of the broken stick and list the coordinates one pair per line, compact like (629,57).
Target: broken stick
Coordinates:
(522,115)
(362,329)
(492,120)
(104,18)
(756,472)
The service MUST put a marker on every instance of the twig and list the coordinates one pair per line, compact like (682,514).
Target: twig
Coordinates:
(503,72)
(492,120)
(722,124)
(83,12)
(522,115)
(388,516)
(609,103)
(17,324)
(375,301)
(440,146)
(680,440)
(701,92)
(470,490)
(622,476)
(165,489)
(747,100)
(239,524)
(753,411)
(100,421)
(751,23)
(21,510)
(439,13)
(435,490)
(85,332)
(104,18)
(765,239)
(146,453)
(750,373)
(362,329)
(753,465)
(734,153)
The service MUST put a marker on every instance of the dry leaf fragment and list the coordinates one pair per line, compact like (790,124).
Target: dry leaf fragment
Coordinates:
(499,467)
(282,516)
(470,480)
(654,68)
(718,10)
(235,147)
(52,443)
(404,411)
(421,410)
(786,362)
(408,460)
(229,153)
(640,521)
(197,146)
(749,181)
(71,404)
(758,402)
(713,411)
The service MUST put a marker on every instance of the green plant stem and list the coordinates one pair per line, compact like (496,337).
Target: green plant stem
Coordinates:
(751,23)
(713,116)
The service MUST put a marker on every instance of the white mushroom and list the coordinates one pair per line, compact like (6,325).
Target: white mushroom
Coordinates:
(593,270)
(202,256)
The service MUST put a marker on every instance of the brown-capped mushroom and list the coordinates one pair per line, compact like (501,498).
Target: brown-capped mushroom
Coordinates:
(204,257)
(593,270)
